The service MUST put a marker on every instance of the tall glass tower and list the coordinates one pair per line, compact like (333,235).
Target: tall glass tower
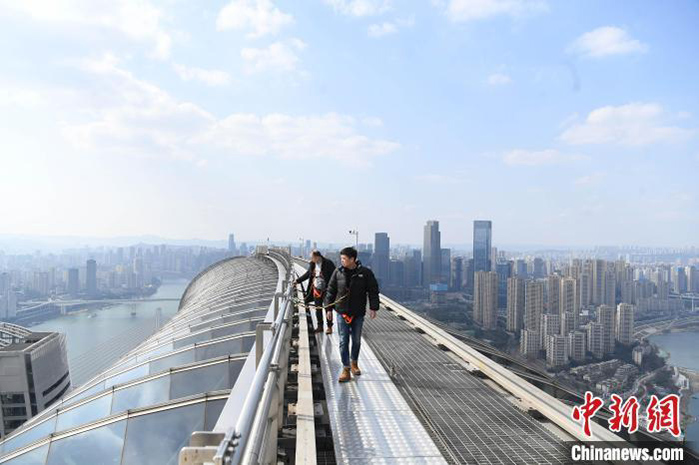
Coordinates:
(482,243)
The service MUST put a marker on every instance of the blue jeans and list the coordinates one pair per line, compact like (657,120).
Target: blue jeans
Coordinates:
(353,330)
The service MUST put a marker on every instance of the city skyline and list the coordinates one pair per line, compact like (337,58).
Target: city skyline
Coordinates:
(567,124)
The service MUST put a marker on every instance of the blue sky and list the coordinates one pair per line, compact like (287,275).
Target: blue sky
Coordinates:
(566,123)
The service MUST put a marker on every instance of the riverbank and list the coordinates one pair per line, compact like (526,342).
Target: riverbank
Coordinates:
(680,350)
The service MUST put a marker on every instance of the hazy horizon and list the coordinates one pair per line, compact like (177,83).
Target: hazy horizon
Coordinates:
(11,244)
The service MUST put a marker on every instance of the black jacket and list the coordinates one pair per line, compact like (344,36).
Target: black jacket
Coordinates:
(326,271)
(360,283)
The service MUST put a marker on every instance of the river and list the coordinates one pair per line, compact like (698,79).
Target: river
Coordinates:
(97,338)
(684,352)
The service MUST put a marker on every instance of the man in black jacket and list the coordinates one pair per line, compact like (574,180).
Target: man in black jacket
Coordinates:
(319,272)
(347,292)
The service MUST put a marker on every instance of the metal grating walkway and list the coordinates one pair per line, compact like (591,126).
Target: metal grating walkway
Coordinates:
(470,421)
(370,420)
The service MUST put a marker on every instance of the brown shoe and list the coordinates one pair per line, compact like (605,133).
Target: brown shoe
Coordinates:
(344,376)
(319,329)
(355,369)
(329,330)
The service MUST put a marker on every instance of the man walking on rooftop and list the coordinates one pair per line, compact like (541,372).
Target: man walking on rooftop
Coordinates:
(347,293)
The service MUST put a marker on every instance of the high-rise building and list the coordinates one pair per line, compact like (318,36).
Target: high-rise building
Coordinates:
(553,294)
(431,254)
(468,275)
(568,298)
(569,305)
(599,269)
(380,261)
(504,271)
(569,322)
(515,304)
(610,288)
(550,326)
(533,305)
(485,299)
(91,278)
(576,346)
(231,243)
(679,280)
(539,270)
(456,274)
(482,243)
(605,317)
(624,323)
(73,281)
(34,374)
(413,268)
(556,350)
(396,273)
(594,339)
(521,268)
(445,266)
(529,343)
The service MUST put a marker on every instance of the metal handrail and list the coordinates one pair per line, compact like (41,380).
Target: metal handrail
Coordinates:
(242,445)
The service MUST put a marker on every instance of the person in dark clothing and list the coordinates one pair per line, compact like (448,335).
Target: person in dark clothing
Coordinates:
(348,289)
(319,272)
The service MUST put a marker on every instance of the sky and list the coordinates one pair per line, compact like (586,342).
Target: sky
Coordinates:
(565,123)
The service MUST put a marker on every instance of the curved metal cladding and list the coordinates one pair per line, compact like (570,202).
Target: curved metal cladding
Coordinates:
(144,408)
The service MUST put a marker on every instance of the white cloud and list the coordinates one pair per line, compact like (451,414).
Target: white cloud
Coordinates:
(499,79)
(606,41)
(470,10)
(519,157)
(383,29)
(360,7)
(130,116)
(279,56)
(210,77)
(298,137)
(136,19)
(259,17)
(389,27)
(590,179)
(633,124)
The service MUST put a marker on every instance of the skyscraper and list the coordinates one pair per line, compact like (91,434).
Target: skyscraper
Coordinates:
(485,299)
(599,268)
(550,326)
(553,294)
(432,254)
(605,317)
(381,259)
(624,323)
(515,304)
(533,305)
(445,266)
(73,281)
(91,277)
(456,276)
(482,243)
(231,243)
(594,339)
